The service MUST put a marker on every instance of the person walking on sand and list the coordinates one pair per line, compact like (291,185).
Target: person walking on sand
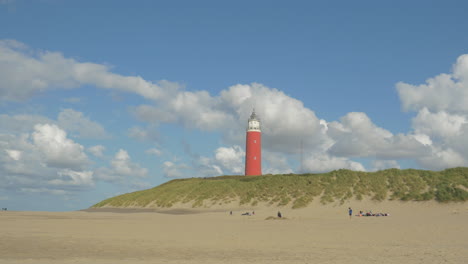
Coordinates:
(350,211)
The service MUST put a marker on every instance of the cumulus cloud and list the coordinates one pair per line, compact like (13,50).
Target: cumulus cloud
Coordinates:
(442,158)
(440,125)
(57,149)
(154,151)
(225,161)
(22,123)
(68,119)
(384,164)
(173,170)
(325,163)
(144,134)
(43,161)
(25,72)
(97,151)
(74,178)
(445,92)
(14,154)
(82,126)
(442,115)
(276,163)
(231,159)
(121,167)
(357,136)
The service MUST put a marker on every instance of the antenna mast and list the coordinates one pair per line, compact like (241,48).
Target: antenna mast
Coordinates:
(302,157)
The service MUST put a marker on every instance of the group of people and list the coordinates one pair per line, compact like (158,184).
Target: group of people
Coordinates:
(4,209)
(253,213)
(368,213)
(246,213)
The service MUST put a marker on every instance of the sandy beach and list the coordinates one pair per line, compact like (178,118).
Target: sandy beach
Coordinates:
(413,233)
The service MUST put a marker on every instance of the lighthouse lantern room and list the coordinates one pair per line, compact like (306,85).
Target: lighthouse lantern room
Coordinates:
(253,147)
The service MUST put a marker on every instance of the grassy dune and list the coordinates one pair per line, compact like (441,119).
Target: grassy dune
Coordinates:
(298,190)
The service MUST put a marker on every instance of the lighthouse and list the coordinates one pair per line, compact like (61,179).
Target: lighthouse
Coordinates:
(253,147)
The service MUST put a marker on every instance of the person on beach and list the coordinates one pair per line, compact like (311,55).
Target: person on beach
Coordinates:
(279,214)
(350,211)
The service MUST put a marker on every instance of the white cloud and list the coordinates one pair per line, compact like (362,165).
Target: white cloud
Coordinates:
(38,156)
(325,163)
(17,124)
(68,119)
(76,122)
(154,115)
(58,150)
(445,92)
(438,125)
(423,139)
(172,170)
(384,164)
(276,163)
(45,161)
(74,178)
(204,167)
(121,167)
(154,151)
(97,150)
(149,134)
(442,159)
(42,71)
(225,161)
(14,154)
(441,122)
(357,136)
(231,159)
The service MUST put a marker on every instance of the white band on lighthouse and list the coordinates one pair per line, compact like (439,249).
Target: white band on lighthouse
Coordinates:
(254,122)
(254,125)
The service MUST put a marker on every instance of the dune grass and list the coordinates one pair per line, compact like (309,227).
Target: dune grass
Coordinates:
(298,190)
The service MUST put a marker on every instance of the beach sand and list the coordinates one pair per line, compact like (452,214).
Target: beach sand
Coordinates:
(425,232)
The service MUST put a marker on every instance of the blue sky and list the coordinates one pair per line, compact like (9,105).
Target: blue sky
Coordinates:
(99,98)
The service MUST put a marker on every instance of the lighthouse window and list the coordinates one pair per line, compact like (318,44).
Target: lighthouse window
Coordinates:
(255,158)
(255,141)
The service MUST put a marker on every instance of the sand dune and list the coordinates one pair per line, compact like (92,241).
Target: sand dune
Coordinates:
(413,233)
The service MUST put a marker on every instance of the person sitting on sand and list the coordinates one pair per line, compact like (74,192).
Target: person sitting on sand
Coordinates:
(279,214)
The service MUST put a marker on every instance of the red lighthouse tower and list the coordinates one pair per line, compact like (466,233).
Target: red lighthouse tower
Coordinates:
(253,147)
